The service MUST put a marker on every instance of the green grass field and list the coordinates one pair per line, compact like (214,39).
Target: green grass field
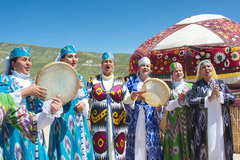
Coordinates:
(88,65)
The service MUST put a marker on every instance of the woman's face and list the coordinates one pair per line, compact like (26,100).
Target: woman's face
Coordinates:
(206,70)
(107,67)
(71,58)
(22,65)
(177,74)
(144,69)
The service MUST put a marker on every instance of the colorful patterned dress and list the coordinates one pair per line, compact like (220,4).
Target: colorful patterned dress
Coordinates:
(199,119)
(15,144)
(152,121)
(18,117)
(177,132)
(101,101)
(69,135)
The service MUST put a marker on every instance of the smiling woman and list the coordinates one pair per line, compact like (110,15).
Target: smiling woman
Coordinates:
(143,139)
(26,95)
(177,131)
(73,124)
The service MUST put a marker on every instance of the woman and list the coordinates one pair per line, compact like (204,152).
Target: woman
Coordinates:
(108,117)
(211,130)
(15,145)
(177,132)
(69,134)
(143,139)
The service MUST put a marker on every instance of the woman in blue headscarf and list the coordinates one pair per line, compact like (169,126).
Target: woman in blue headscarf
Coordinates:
(14,144)
(107,93)
(69,134)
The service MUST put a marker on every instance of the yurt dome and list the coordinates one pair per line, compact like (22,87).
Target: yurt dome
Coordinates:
(191,40)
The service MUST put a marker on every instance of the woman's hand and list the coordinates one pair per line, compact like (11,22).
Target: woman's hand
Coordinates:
(34,90)
(215,93)
(81,84)
(136,94)
(56,104)
(181,96)
(80,106)
(159,108)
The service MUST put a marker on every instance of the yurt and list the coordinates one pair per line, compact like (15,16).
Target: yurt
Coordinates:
(191,40)
(206,36)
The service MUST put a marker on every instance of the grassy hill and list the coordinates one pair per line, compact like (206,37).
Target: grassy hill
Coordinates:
(88,65)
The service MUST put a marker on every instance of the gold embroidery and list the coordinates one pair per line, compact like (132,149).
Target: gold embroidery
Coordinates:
(113,93)
(100,142)
(120,93)
(98,117)
(121,143)
(99,91)
(90,80)
(116,118)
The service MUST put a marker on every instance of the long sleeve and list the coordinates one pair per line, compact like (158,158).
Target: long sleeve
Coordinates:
(194,100)
(17,96)
(45,117)
(172,105)
(127,98)
(229,98)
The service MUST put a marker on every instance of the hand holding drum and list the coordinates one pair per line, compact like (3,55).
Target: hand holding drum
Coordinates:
(157,92)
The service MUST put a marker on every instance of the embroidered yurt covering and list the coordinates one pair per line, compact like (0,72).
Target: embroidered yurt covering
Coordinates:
(193,39)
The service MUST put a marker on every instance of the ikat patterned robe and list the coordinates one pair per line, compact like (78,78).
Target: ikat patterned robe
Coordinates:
(199,117)
(69,135)
(177,132)
(100,100)
(18,117)
(153,144)
(15,144)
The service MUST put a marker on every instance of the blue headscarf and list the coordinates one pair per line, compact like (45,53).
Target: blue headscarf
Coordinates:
(20,52)
(16,52)
(68,49)
(107,55)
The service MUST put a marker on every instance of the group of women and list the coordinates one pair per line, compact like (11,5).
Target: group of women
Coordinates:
(109,118)
(198,121)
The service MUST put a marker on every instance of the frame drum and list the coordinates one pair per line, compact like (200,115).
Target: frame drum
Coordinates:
(157,92)
(59,78)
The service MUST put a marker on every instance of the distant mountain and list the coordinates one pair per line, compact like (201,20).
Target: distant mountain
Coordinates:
(88,65)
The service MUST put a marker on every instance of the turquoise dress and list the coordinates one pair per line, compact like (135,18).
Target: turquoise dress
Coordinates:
(69,135)
(14,145)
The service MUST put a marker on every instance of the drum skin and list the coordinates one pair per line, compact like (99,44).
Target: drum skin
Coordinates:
(157,92)
(59,78)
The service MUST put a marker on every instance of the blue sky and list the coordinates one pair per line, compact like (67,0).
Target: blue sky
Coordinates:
(119,26)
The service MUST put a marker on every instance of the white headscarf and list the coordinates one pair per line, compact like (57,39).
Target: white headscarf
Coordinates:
(58,57)
(144,60)
(7,65)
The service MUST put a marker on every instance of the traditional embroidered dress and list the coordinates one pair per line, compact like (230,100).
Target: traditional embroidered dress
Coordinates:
(177,132)
(211,122)
(108,117)
(69,134)
(14,143)
(143,139)
(18,117)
